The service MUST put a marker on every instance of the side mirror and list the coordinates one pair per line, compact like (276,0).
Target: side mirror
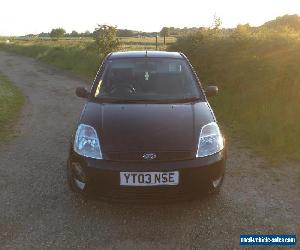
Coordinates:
(211,91)
(82,92)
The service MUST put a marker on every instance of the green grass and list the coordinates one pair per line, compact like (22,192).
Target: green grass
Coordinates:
(11,100)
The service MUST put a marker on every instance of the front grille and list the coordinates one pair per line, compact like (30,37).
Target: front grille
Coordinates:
(160,156)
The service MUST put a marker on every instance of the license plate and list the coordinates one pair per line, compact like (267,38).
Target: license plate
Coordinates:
(149,178)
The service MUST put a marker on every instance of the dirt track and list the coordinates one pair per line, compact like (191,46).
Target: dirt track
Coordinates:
(37,210)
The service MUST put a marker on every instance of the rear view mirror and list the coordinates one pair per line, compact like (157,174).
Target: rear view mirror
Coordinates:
(211,91)
(82,92)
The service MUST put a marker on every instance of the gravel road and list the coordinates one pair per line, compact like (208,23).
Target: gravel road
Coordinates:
(37,210)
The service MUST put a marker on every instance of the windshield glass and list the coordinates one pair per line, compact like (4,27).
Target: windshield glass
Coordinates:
(147,79)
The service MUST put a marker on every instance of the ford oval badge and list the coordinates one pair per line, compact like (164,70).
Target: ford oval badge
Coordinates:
(149,156)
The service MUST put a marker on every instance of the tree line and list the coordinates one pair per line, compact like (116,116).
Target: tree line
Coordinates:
(60,32)
(106,37)
(280,23)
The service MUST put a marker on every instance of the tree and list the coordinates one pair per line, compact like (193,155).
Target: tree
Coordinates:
(57,33)
(125,33)
(214,30)
(87,34)
(286,21)
(106,39)
(74,33)
(242,32)
(217,22)
(43,34)
(164,32)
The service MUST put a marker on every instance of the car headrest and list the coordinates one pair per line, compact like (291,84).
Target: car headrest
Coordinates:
(121,75)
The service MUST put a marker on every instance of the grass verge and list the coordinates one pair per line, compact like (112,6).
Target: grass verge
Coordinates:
(11,100)
(74,57)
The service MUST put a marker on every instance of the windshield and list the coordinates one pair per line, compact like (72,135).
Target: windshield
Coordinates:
(146,80)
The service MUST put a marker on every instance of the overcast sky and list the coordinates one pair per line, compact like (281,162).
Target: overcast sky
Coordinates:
(20,17)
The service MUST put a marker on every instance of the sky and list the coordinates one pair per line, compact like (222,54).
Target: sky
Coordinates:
(20,17)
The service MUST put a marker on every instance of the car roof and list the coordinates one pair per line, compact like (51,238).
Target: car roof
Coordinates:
(140,54)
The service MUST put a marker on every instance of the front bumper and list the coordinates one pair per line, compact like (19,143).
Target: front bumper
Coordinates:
(104,176)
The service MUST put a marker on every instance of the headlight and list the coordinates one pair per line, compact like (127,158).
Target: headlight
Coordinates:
(87,142)
(210,140)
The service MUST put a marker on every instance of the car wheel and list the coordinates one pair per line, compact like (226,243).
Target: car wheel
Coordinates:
(77,179)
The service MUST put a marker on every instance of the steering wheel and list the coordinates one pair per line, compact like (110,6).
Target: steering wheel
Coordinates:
(122,89)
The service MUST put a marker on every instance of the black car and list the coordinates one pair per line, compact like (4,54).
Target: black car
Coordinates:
(147,129)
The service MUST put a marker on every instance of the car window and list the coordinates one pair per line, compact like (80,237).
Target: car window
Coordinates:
(147,79)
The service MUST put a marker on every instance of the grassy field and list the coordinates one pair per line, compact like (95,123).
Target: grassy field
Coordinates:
(11,100)
(258,77)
